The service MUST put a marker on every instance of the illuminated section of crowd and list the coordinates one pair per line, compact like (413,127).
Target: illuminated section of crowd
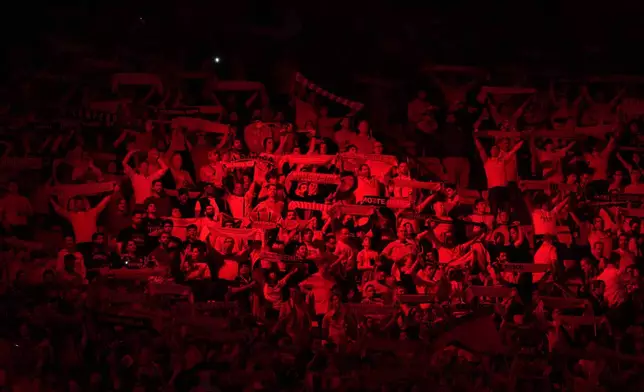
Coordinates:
(248,247)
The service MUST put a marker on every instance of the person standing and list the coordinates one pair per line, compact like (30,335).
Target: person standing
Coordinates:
(456,144)
(495,171)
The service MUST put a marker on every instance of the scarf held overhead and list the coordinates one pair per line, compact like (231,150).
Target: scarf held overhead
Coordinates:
(317,178)
(299,78)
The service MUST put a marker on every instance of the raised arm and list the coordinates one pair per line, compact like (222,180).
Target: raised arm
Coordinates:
(97,172)
(560,205)
(496,116)
(121,138)
(519,112)
(159,173)
(420,207)
(551,93)
(568,147)
(480,149)
(610,147)
(311,150)
(101,206)
(615,101)
(429,233)
(126,166)
(59,210)
(514,150)
(280,148)
(621,160)
(224,139)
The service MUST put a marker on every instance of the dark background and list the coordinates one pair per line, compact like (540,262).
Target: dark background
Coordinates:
(333,40)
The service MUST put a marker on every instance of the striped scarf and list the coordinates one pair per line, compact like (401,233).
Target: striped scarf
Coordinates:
(299,78)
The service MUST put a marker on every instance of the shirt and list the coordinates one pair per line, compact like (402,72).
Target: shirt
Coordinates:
(511,170)
(364,143)
(321,288)
(212,174)
(550,162)
(142,187)
(84,224)
(614,288)
(544,222)
(546,254)
(366,187)
(495,172)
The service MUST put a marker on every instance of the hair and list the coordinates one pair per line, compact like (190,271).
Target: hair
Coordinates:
(200,246)
(168,222)
(96,235)
(191,226)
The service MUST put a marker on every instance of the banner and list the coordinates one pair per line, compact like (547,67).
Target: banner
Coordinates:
(464,69)
(169,289)
(564,303)
(491,291)
(137,79)
(621,198)
(66,192)
(240,164)
(299,78)
(238,235)
(524,267)
(305,205)
(394,203)
(298,159)
(432,186)
(316,178)
(263,225)
(272,256)
(194,124)
(351,209)
(577,321)
(371,310)
(542,185)
(416,299)
(93,116)
(185,112)
(238,85)
(16,164)
(598,132)
(390,159)
(507,90)
(633,212)
(142,274)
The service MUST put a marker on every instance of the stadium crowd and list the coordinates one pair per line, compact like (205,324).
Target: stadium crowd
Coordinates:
(261,251)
